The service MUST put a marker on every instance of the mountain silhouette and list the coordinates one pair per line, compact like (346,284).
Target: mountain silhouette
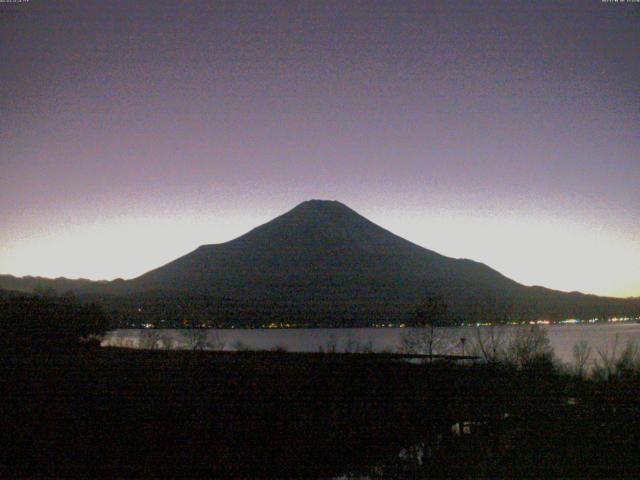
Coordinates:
(323,264)
(318,242)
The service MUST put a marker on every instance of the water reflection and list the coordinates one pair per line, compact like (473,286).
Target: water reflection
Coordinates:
(563,338)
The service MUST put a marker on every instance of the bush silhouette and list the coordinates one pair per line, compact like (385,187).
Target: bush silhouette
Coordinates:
(48,322)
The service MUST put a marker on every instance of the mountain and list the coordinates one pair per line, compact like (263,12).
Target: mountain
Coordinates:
(61,284)
(324,264)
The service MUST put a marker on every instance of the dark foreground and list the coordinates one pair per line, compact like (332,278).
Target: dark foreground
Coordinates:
(102,412)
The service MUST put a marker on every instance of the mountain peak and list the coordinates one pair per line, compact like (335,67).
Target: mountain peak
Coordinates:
(321,205)
(312,215)
(318,203)
(316,224)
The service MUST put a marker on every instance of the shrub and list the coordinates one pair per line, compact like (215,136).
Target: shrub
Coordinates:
(529,346)
(609,365)
(46,322)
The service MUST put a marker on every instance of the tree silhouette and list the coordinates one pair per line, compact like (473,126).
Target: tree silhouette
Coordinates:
(46,322)
(431,312)
(425,339)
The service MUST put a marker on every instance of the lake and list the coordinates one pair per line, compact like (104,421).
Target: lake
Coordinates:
(604,337)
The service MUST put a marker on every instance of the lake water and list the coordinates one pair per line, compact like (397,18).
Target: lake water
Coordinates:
(603,337)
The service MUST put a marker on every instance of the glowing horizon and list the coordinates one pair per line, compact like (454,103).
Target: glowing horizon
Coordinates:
(512,245)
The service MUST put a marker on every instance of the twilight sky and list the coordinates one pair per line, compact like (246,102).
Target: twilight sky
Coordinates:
(507,132)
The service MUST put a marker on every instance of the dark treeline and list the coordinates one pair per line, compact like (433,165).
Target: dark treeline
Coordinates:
(46,321)
(335,302)
(175,309)
(109,412)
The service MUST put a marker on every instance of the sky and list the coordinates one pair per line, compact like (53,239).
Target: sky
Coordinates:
(507,132)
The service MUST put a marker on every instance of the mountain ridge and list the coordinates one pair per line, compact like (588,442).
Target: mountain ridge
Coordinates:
(321,262)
